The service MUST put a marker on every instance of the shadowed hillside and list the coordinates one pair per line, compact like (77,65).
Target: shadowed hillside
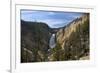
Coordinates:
(34,41)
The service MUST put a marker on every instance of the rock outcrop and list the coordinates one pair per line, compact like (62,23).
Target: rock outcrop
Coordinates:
(74,38)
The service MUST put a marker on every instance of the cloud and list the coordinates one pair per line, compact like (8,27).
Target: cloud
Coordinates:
(53,19)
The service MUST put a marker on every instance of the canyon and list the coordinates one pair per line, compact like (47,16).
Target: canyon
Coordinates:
(40,43)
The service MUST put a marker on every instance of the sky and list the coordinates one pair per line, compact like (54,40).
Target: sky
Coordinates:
(53,19)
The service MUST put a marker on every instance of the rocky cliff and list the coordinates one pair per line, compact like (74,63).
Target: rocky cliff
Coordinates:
(74,38)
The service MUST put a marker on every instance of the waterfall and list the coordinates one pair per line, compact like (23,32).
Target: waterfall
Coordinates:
(52,42)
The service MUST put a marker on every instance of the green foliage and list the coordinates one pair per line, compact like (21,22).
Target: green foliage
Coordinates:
(58,53)
(35,37)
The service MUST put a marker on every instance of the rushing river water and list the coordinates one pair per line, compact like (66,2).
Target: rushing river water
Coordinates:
(52,42)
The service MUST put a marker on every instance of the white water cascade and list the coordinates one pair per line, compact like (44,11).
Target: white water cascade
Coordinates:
(52,42)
